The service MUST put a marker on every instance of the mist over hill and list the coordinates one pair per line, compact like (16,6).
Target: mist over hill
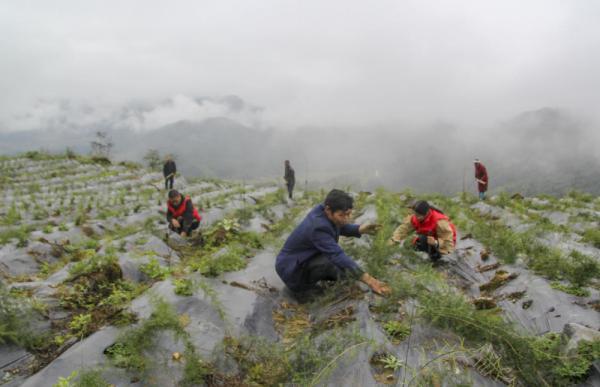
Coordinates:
(539,151)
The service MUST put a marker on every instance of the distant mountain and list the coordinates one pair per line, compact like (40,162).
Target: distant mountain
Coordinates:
(545,150)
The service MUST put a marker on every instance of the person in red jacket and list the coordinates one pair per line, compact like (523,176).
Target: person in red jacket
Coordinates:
(182,216)
(481,176)
(436,235)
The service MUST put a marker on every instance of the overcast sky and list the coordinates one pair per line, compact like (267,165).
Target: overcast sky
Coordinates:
(305,62)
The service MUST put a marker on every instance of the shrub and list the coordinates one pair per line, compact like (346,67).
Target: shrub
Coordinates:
(592,236)
(154,270)
(582,269)
(184,287)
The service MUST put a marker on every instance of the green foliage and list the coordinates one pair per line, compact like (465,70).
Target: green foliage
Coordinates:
(34,188)
(184,287)
(82,215)
(592,236)
(571,289)
(96,263)
(244,215)
(66,382)
(550,262)
(39,155)
(141,241)
(12,216)
(128,351)
(91,378)
(582,269)
(15,314)
(391,362)
(263,362)
(580,197)
(153,159)
(120,295)
(564,369)
(503,199)
(80,324)
(154,270)
(398,330)
(39,213)
(21,234)
(232,259)
(195,371)
(70,153)
(131,165)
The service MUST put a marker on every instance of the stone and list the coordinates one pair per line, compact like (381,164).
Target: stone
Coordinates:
(576,333)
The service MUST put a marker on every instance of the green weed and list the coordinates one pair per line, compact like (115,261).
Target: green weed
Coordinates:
(592,236)
(184,287)
(154,270)
(128,351)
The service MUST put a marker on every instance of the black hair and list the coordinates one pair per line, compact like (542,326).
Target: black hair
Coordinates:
(421,207)
(173,193)
(338,200)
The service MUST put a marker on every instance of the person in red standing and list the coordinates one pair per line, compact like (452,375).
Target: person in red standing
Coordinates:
(182,216)
(481,176)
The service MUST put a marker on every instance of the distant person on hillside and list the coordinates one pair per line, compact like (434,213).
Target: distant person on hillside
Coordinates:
(289,177)
(312,253)
(436,235)
(169,172)
(481,176)
(182,216)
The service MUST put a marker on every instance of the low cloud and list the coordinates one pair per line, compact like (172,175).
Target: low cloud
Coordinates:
(67,115)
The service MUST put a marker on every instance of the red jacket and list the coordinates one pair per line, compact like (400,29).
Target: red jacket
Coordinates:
(180,210)
(429,225)
(481,174)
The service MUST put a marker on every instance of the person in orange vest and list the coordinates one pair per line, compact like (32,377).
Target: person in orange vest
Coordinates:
(436,235)
(182,216)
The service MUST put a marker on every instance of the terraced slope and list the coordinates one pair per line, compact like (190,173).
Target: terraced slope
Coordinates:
(96,292)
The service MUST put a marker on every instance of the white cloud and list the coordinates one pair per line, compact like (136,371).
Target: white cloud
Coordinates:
(307,62)
(142,115)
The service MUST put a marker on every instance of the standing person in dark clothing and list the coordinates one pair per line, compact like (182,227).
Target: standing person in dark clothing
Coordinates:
(169,171)
(289,177)
(182,216)
(312,253)
(481,176)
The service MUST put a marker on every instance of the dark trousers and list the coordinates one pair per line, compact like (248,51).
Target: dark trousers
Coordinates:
(169,182)
(421,245)
(195,224)
(290,188)
(314,270)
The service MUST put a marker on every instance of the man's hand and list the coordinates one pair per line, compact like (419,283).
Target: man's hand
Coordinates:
(431,241)
(377,286)
(175,223)
(183,234)
(369,228)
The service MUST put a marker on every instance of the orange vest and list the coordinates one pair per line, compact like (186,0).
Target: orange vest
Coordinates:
(429,225)
(177,212)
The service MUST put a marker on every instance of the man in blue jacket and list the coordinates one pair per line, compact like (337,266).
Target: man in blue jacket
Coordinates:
(312,253)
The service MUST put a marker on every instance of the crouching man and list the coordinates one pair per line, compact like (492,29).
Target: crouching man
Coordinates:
(436,235)
(312,253)
(182,216)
